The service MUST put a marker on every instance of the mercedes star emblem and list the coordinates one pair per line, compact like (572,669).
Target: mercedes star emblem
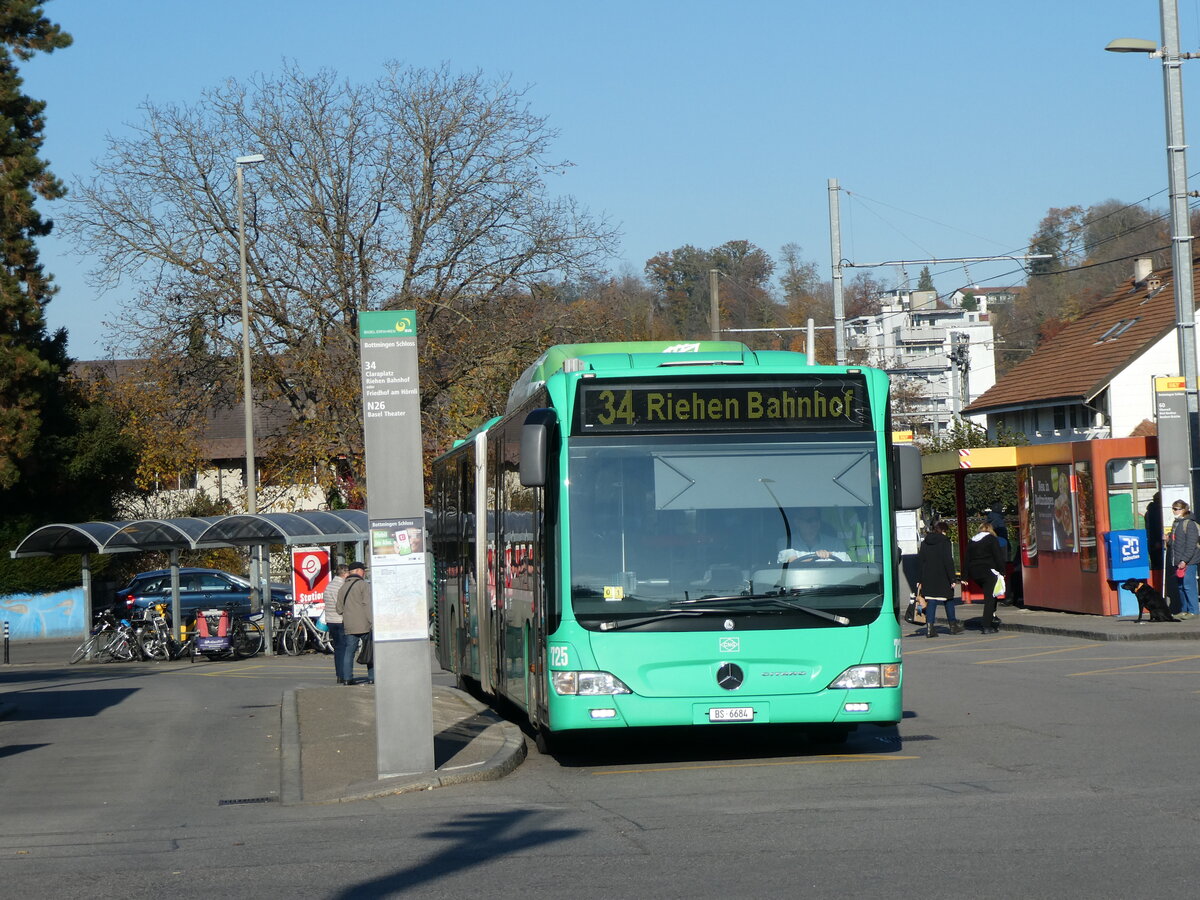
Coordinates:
(730,676)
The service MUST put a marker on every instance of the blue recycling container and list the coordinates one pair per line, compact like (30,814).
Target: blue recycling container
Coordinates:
(1128,557)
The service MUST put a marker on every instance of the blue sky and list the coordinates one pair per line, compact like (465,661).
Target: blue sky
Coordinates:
(951,126)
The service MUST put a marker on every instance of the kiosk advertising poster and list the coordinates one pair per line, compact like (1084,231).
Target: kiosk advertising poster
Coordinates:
(1054,508)
(1089,560)
(310,577)
(1027,517)
(391,399)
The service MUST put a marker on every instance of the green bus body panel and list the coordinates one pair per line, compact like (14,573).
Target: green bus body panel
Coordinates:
(673,674)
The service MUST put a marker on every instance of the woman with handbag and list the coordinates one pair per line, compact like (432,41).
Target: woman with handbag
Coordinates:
(985,562)
(354,606)
(935,561)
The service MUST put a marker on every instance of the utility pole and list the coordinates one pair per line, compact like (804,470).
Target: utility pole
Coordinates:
(960,365)
(839,298)
(714,303)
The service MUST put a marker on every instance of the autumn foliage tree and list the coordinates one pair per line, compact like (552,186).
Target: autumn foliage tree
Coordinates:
(422,189)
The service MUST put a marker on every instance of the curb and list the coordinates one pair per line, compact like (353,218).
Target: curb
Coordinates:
(509,754)
(1135,634)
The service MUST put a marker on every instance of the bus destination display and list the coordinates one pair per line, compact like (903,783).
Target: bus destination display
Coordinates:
(835,404)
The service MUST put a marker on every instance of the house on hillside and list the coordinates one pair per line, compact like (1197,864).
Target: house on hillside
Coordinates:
(222,476)
(1094,379)
(985,299)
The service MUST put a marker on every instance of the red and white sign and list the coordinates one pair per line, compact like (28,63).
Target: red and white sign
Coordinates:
(310,575)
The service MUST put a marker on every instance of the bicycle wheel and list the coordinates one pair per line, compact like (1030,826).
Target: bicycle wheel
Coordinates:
(295,637)
(121,648)
(84,649)
(324,644)
(247,639)
(154,646)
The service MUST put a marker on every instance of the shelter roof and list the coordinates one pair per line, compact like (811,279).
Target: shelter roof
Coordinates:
(289,528)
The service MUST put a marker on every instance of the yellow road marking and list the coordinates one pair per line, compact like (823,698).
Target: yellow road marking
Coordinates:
(989,662)
(840,758)
(1161,662)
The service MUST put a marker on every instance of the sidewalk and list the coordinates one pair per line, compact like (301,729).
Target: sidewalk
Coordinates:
(1077,625)
(329,745)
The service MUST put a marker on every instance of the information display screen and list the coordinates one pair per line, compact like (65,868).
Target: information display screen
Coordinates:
(802,404)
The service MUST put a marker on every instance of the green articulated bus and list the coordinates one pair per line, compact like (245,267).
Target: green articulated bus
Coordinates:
(686,534)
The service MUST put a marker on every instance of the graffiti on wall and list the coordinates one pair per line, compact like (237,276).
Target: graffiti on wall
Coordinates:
(33,616)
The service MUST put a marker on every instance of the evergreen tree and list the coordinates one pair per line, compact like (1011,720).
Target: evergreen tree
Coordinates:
(30,361)
(61,453)
(925,281)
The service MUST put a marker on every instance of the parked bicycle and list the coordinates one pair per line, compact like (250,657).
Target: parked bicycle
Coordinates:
(104,630)
(153,631)
(302,633)
(111,639)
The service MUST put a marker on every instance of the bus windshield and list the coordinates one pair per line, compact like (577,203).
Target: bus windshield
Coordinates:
(683,532)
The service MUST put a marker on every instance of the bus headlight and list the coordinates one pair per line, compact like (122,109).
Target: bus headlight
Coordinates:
(588,684)
(885,675)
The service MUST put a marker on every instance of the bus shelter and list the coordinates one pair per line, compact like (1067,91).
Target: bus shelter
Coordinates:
(1069,496)
(256,531)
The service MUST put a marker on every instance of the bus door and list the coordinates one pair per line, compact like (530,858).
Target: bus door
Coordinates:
(481,594)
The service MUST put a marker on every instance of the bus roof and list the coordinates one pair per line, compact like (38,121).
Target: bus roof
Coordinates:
(554,358)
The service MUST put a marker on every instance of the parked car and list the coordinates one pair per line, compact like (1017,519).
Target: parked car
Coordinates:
(198,589)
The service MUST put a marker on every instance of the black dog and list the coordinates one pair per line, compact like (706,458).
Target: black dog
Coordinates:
(1149,601)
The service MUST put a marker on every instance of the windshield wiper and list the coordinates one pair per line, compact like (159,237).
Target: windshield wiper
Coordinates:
(774,598)
(617,624)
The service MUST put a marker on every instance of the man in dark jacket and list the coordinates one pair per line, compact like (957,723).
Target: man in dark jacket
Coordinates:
(354,606)
(935,562)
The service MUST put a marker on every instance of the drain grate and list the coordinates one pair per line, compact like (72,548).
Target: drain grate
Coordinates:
(245,801)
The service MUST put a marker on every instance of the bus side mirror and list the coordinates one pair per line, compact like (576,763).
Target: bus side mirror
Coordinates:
(535,447)
(906,464)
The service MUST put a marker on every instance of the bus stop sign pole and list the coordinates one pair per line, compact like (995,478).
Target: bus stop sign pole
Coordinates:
(396,541)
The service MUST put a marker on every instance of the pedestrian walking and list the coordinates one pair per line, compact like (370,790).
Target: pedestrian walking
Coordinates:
(985,563)
(935,561)
(333,620)
(354,606)
(1185,554)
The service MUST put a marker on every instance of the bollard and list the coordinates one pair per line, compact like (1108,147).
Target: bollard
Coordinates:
(6,642)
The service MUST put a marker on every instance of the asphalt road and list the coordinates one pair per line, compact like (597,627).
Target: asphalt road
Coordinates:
(1027,765)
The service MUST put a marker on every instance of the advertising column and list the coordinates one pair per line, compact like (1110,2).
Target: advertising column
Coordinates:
(396,521)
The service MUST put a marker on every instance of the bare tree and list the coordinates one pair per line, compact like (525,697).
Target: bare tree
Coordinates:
(423,189)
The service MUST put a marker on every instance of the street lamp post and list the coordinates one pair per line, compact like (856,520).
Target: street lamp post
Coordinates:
(251,476)
(248,398)
(1181,233)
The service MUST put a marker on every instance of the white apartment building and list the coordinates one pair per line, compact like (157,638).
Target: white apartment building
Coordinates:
(940,357)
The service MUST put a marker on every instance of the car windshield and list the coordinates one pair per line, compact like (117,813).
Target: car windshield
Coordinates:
(718,525)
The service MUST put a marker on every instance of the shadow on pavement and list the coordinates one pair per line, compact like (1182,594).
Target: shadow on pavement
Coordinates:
(474,839)
(56,704)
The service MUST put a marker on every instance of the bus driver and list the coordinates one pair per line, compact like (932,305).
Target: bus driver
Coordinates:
(812,540)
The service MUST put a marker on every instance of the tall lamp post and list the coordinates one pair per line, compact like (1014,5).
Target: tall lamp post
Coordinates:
(240,164)
(251,476)
(1181,234)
